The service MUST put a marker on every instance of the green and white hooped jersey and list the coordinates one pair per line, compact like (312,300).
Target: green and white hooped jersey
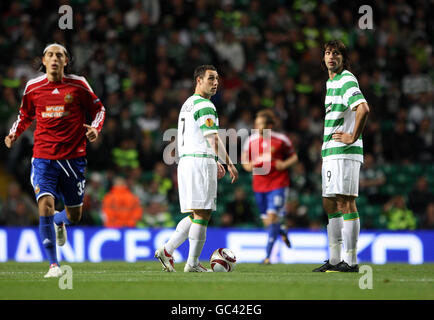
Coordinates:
(342,97)
(198,118)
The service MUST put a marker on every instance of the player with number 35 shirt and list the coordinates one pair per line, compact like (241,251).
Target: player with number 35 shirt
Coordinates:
(59,103)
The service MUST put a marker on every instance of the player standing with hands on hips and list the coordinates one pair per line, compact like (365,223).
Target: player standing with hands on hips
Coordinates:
(59,102)
(346,115)
(199,148)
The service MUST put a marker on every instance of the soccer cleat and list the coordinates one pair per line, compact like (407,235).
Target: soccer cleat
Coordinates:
(326,266)
(54,271)
(61,234)
(197,268)
(266,261)
(165,259)
(344,267)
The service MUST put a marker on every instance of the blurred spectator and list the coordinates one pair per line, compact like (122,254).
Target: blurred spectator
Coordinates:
(126,156)
(238,212)
(93,197)
(425,142)
(155,213)
(398,216)
(298,176)
(162,178)
(398,152)
(415,82)
(296,215)
(231,50)
(120,207)
(371,179)
(428,219)
(420,197)
(18,209)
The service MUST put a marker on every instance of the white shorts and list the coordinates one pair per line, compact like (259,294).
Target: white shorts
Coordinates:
(340,176)
(197,184)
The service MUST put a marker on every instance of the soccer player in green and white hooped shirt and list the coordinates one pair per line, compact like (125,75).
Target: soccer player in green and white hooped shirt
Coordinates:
(342,152)
(199,146)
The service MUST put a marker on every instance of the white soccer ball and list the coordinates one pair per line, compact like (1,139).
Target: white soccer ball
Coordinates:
(222,260)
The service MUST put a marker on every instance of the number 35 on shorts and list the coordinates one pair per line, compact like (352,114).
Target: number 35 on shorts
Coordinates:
(80,187)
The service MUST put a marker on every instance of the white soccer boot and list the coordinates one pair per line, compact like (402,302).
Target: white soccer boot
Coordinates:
(197,268)
(165,259)
(61,234)
(54,271)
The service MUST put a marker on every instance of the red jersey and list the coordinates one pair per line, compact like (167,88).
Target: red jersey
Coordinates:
(60,110)
(261,151)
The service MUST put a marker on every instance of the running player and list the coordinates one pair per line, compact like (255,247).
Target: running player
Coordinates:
(274,153)
(342,152)
(198,170)
(59,102)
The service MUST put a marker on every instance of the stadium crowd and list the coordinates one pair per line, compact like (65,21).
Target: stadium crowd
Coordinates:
(139,57)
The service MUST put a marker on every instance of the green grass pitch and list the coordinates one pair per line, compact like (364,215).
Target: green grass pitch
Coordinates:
(145,280)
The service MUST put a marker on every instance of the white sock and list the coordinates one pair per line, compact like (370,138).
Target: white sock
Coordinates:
(197,238)
(334,232)
(179,235)
(351,231)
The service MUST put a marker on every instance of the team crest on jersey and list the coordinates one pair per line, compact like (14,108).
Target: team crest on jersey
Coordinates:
(69,98)
(37,189)
(209,122)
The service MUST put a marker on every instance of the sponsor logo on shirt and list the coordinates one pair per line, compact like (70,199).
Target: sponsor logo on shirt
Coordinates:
(37,189)
(69,98)
(54,112)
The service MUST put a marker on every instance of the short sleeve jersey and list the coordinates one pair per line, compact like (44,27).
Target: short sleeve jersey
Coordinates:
(197,119)
(342,97)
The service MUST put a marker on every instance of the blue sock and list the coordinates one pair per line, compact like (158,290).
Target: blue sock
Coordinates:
(273,232)
(61,217)
(48,237)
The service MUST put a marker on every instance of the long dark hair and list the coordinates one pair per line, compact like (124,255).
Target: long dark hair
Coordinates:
(66,69)
(341,48)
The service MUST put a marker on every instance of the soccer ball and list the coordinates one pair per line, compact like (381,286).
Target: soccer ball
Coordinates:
(222,260)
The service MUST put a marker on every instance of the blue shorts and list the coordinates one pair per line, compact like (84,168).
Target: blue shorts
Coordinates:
(62,179)
(271,202)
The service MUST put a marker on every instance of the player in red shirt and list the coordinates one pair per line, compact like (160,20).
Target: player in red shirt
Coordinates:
(59,102)
(268,155)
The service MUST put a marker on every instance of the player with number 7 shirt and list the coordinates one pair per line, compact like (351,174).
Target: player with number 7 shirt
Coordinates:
(60,103)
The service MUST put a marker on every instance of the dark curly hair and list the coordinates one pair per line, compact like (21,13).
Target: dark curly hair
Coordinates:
(341,48)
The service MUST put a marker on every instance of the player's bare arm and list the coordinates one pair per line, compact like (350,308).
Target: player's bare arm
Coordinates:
(91,133)
(219,149)
(362,113)
(285,164)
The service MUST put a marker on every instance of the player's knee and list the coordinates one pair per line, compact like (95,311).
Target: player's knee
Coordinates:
(74,214)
